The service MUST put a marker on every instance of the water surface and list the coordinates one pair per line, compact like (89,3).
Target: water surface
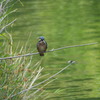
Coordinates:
(63,23)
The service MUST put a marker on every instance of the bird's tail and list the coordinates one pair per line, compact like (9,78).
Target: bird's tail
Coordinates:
(41,54)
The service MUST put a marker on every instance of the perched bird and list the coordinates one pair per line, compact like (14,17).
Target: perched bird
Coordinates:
(41,46)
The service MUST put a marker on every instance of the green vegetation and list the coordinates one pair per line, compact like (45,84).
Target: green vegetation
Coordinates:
(15,74)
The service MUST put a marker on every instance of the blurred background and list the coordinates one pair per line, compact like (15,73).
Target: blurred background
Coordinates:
(62,23)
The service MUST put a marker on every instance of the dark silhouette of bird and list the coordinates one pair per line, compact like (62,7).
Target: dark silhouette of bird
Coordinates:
(41,46)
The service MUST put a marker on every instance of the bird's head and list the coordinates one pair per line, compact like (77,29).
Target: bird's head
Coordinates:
(41,37)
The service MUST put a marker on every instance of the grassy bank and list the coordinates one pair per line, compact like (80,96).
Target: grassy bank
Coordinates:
(14,73)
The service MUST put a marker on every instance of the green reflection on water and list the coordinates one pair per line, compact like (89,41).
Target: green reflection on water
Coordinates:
(63,23)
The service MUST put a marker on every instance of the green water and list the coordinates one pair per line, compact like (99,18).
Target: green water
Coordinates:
(63,23)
